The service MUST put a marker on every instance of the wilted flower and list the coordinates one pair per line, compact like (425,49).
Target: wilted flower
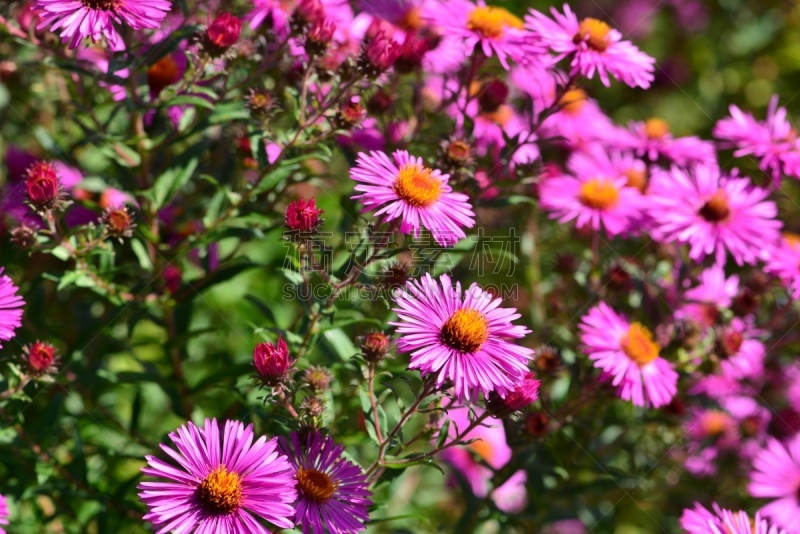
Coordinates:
(349,115)
(23,236)
(317,378)
(119,222)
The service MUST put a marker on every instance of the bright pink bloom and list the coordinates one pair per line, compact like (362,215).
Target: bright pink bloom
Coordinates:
(524,394)
(491,447)
(272,362)
(223,32)
(783,261)
(461,338)
(491,29)
(699,520)
(273,13)
(776,475)
(4,513)
(627,352)
(713,213)
(704,301)
(592,47)
(594,197)
(653,139)
(220,480)
(332,491)
(303,215)
(10,308)
(741,355)
(773,142)
(404,188)
(79,19)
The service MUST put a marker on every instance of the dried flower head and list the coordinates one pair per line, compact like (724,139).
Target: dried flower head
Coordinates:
(119,222)
(375,346)
(317,378)
(23,236)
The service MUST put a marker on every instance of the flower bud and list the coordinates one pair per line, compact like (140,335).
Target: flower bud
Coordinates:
(306,13)
(317,378)
(163,73)
(379,103)
(412,51)
(536,424)
(374,346)
(40,358)
(42,186)
(349,116)
(378,55)
(119,222)
(23,236)
(523,394)
(319,37)
(302,215)
(172,278)
(313,406)
(492,95)
(222,34)
(457,154)
(272,362)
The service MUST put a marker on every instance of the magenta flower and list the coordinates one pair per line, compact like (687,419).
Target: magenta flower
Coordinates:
(712,213)
(653,139)
(783,261)
(461,338)
(704,301)
(332,494)
(524,394)
(271,12)
(627,352)
(4,513)
(404,188)
(272,362)
(302,215)
(592,196)
(741,355)
(491,29)
(593,47)
(773,142)
(776,475)
(489,446)
(10,308)
(220,483)
(699,520)
(79,19)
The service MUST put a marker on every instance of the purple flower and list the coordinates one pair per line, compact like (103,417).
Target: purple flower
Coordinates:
(628,354)
(221,482)
(712,213)
(332,494)
(79,19)
(776,475)
(593,47)
(783,261)
(404,188)
(10,308)
(461,338)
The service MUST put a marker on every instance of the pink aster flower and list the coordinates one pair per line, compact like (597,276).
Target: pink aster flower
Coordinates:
(628,353)
(404,188)
(653,139)
(704,301)
(594,197)
(783,261)
(3,513)
(461,338)
(489,447)
(579,122)
(776,475)
(741,355)
(10,308)
(699,520)
(593,47)
(492,29)
(712,213)
(773,142)
(272,12)
(221,481)
(332,494)
(79,19)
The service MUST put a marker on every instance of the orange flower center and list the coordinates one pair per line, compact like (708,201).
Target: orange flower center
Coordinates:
(465,331)
(221,491)
(411,20)
(106,5)
(573,101)
(501,116)
(595,33)
(638,344)
(417,186)
(714,423)
(792,239)
(482,449)
(491,22)
(315,485)
(637,178)
(656,128)
(716,208)
(599,193)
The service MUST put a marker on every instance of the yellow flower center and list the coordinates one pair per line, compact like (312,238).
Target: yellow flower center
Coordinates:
(638,344)
(656,128)
(637,178)
(221,491)
(482,448)
(491,22)
(714,423)
(411,20)
(573,101)
(595,33)
(716,208)
(465,331)
(315,485)
(792,239)
(417,186)
(599,193)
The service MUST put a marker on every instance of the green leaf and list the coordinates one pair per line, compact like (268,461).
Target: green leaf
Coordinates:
(171,181)
(122,154)
(442,437)
(141,254)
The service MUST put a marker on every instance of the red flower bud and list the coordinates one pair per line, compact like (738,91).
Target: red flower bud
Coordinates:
(272,362)
(378,55)
(492,95)
(40,358)
(524,394)
(41,184)
(319,37)
(223,33)
(302,215)
(374,346)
